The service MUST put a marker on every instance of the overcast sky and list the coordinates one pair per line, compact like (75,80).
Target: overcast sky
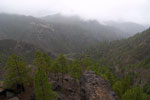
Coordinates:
(102,10)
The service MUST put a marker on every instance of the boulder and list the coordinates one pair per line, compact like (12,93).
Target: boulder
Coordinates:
(10,94)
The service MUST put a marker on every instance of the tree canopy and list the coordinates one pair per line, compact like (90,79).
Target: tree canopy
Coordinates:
(43,89)
(16,71)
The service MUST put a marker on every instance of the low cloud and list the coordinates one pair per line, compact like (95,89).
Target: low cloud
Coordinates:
(118,10)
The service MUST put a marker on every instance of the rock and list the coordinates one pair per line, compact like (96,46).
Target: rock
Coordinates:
(70,90)
(94,87)
(1,89)
(19,88)
(14,98)
(9,94)
(56,86)
(62,97)
(32,97)
(67,78)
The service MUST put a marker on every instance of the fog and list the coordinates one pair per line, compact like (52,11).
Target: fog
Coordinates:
(103,10)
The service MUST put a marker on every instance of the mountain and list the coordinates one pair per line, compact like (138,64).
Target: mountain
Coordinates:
(127,55)
(93,27)
(126,51)
(129,28)
(56,33)
(128,60)
(9,47)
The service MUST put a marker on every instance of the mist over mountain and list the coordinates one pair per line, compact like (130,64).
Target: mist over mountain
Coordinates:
(129,28)
(74,50)
(57,33)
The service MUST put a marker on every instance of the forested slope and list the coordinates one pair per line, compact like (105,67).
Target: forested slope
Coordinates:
(124,52)
(68,36)
(9,47)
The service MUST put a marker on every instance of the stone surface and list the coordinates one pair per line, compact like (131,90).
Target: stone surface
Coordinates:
(94,87)
(14,98)
(90,87)
(9,94)
(56,86)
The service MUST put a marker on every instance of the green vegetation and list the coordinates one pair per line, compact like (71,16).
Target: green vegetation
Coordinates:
(103,71)
(122,85)
(43,89)
(123,52)
(143,63)
(146,88)
(124,63)
(16,72)
(63,65)
(55,68)
(76,70)
(125,56)
(9,47)
(115,61)
(135,93)
(42,60)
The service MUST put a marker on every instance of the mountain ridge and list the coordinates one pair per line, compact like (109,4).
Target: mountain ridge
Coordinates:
(69,36)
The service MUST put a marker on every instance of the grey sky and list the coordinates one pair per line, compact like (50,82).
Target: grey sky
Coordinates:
(117,10)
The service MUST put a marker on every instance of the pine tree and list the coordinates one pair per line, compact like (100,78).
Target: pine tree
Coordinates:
(43,89)
(135,93)
(76,70)
(86,62)
(16,72)
(47,61)
(56,68)
(38,60)
(110,77)
(118,88)
(63,65)
(43,61)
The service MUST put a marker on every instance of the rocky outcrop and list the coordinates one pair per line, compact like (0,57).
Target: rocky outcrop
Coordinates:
(94,87)
(90,87)
(11,94)
(69,90)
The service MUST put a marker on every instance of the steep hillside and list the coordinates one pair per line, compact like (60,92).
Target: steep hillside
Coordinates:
(92,27)
(123,52)
(74,35)
(128,55)
(9,47)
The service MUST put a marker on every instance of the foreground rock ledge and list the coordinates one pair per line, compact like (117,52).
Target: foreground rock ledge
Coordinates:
(94,87)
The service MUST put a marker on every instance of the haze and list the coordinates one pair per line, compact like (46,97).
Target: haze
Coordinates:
(103,10)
